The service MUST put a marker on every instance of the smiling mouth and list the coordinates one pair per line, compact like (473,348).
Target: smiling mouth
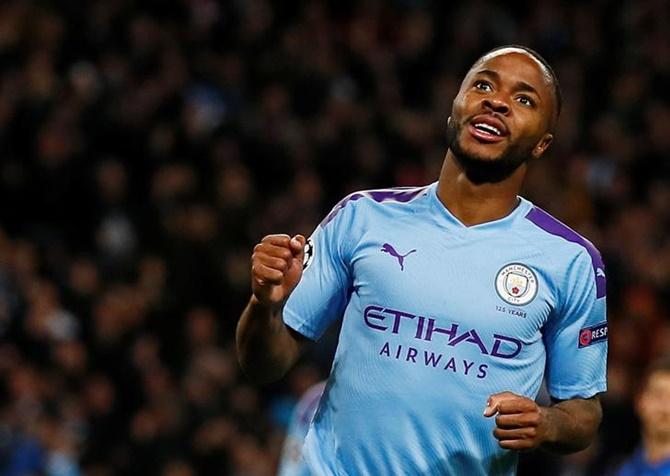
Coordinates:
(485,133)
(487,128)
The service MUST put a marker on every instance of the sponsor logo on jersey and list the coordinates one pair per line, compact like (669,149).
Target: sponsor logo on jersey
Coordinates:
(387,248)
(593,334)
(516,284)
(452,334)
(309,254)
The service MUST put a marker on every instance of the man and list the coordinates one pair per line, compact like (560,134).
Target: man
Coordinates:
(454,298)
(653,458)
(292,462)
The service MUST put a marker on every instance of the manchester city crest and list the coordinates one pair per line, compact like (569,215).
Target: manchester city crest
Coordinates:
(516,284)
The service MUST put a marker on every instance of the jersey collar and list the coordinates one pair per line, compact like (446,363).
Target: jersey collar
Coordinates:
(445,218)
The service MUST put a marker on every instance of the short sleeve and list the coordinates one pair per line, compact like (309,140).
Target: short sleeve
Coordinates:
(322,294)
(576,334)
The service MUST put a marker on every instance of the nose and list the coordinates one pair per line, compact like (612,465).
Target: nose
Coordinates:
(496,105)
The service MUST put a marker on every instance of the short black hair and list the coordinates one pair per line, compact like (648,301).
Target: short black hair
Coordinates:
(660,365)
(554,79)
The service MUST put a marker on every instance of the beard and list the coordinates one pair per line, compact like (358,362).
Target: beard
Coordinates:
(480,170)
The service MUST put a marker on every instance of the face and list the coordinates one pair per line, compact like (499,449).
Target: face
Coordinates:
(501,115)
(653,408)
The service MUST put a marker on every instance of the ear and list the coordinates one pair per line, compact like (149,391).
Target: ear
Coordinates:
(448,121)
(542,145)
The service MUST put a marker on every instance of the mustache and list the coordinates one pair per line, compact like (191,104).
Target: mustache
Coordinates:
(480,170)
(497,116)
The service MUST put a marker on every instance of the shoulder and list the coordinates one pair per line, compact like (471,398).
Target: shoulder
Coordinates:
(401,196)
(553,231)
(564,244)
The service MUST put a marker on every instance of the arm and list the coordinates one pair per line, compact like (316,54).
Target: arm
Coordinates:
(565,427)
(266,347)
(572,424)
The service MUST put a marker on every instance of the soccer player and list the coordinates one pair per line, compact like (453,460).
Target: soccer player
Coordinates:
(653,458)
(292,463)
(456,299)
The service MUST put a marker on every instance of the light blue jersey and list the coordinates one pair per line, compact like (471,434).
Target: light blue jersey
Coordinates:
(438,316)
(292,463)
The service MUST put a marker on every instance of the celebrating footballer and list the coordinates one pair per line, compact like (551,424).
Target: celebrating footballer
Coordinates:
(457,300)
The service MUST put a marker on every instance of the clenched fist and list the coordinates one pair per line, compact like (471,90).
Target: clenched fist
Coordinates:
(521,423)
(276,268)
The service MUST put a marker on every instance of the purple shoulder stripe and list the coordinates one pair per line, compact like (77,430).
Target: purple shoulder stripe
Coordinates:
(554,227)
(402,195)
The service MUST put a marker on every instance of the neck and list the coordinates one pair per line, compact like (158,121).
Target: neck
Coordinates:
(656,447)
(471,203)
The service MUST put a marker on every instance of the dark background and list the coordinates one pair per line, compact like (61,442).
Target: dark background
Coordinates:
(146,146)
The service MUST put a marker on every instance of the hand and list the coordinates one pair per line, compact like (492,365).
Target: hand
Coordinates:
(276,268)
(521,423)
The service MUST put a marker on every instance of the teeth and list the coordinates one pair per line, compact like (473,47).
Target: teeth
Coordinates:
(487,128)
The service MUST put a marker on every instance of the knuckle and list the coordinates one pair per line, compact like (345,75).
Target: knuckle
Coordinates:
(275,238)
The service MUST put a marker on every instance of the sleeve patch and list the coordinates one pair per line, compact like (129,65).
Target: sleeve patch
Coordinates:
(593,335)
(309,254)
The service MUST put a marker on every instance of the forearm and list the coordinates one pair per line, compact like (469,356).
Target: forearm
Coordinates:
(571,425)
(266,348)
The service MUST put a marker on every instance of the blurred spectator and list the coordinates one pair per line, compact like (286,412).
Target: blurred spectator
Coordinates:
(653,457)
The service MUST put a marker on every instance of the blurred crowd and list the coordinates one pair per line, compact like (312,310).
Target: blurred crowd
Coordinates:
(146,146)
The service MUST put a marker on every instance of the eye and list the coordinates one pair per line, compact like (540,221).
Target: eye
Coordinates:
(526,101)
(483,85)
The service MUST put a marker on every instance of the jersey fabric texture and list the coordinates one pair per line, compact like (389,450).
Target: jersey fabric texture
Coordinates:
(437,316)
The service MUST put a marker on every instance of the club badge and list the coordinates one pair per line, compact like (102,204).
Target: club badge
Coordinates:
(516,284)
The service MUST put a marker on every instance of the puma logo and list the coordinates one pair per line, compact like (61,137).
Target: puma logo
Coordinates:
(386,248)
